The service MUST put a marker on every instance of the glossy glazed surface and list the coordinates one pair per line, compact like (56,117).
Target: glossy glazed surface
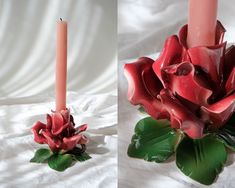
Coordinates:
(193,87)
(59,132)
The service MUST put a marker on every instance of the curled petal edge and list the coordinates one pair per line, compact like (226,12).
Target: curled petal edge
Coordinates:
(219,112)
(175,77)
(36,130)
(144,86)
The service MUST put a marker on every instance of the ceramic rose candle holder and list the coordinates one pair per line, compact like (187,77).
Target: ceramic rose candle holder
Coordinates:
(66,142)
(189,94)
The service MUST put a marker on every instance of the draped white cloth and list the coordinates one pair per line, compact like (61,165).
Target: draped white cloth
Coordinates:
(27,67)
(143,27)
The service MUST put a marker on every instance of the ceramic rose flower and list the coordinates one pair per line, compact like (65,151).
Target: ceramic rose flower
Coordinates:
(59,132)
(192,87)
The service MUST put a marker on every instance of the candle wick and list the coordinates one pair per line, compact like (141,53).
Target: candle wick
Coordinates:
(60,19)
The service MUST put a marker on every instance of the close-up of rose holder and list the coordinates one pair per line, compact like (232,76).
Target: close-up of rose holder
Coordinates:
(66,142)
(189,94)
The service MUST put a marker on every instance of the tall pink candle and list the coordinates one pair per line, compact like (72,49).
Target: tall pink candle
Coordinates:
(61,65)
(202,22)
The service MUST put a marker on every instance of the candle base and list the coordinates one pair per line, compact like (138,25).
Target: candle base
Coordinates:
(190,95)
(65,141)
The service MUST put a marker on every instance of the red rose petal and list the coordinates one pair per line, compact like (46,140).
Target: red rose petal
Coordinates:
(71,142)
(53,142)
(179,114)
(193,79)
(210,59)
(81,128)
(172,53)
(182,81)
(229,63)
(220,31)
(219,112)
(37,129)
(59,132)
(65,114)
(230,84)
(183,33)
(194,108)
(144,86)
(58,123)
(49,122)
(71,121)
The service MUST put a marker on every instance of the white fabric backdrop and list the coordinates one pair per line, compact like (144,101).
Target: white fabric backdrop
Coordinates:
(143,28)
(27,45)
(143,25)
(27,62)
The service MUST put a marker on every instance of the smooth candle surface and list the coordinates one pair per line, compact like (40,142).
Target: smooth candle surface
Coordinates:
(202,22)
(61,65)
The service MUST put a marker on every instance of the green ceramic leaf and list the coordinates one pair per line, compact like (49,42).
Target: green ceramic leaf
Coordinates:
(153,140)
(83,157)
(227,133)
(201,159)
(60,162)
(41,155)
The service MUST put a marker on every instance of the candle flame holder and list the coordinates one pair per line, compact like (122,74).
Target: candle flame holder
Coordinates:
(66,142)
(189,94)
